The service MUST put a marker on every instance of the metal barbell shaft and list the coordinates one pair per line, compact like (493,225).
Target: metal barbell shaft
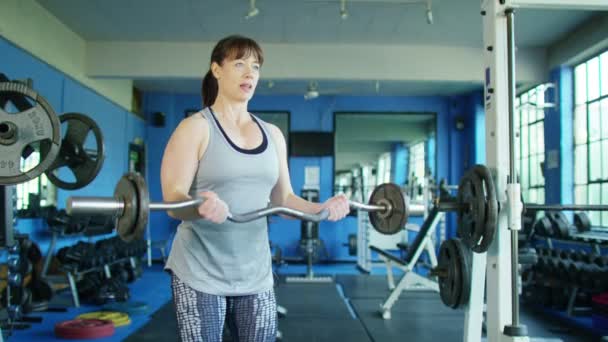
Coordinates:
(453,206)
(110,206)
(366,207)
(250,216)
(575,207)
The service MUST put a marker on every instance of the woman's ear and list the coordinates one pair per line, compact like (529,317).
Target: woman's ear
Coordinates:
(216,70)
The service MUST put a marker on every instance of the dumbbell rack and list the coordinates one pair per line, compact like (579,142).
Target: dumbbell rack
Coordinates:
(574,289)
(7,242)
(72,276)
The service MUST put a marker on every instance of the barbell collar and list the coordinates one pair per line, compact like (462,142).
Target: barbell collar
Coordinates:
(450,206)
(105,206)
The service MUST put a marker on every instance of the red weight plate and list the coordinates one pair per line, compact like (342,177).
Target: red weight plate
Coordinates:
(84,329)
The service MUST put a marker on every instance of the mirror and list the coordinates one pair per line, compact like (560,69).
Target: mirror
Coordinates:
(376,148)
(279,119)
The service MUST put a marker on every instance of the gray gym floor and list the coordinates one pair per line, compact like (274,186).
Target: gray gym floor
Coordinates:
(348,310)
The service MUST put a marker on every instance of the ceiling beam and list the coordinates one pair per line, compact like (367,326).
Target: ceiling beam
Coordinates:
(170,60)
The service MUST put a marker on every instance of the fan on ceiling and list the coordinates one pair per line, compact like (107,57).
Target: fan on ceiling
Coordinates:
(312,90)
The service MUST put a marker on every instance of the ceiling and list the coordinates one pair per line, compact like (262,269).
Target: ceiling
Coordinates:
(313,33)
(375,22)
(456,22)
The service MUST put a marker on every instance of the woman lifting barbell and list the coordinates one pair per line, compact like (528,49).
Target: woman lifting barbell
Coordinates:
(221,270)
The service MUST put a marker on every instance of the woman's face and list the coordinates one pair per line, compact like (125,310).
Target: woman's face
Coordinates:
(237,78)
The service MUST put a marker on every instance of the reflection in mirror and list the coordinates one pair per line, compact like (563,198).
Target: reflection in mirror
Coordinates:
(376,148)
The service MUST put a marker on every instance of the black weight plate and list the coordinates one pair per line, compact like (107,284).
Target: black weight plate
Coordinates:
(393,221)
(126,223)
(491,210)
(143,200)
(36,124)
(543,227)
(41,290)
(560,224)
(471,212)
(465,259)
(85,165)
(450,283)
(582,222)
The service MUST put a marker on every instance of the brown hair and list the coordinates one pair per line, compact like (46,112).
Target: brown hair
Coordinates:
(235,47)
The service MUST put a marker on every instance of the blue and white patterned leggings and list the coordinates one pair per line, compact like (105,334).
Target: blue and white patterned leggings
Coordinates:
(201,316)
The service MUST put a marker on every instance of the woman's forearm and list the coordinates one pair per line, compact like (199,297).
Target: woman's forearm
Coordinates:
(298,203)
(184,214)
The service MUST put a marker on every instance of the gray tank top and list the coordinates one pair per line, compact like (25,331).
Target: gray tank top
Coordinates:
(229,259)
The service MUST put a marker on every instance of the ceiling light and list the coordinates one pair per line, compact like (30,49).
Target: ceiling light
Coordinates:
(253,11)
(343,11)
(311,94)
(311,91)
(429,12)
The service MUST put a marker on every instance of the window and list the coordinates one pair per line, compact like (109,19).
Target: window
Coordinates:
(384,169)
(416,169)
(530,152)
(591,135)
(40,189)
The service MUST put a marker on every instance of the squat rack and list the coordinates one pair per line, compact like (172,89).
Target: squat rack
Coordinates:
(500,261)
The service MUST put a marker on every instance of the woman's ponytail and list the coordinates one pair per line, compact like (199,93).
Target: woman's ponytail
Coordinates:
(209,89)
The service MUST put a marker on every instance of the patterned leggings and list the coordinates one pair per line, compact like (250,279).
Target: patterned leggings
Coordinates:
(201,316)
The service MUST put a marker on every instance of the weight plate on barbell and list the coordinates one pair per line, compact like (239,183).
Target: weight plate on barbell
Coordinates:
(126,193)
(84,164)
(392,221)
(132,190)
(472,207)
(143,198)
(455,279)
(19,132)
(491,210)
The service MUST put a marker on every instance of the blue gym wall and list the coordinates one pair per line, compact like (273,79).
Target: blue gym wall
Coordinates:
(119,127)
(317,115)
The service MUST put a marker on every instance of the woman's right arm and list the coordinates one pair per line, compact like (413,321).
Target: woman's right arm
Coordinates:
(180,162)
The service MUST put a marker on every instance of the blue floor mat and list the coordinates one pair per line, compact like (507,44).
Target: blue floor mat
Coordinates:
(152,288)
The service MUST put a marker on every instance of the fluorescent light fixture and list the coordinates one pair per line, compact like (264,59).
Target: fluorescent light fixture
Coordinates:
(343,11)
(253,11)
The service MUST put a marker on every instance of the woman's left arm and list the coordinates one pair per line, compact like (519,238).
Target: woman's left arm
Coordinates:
(282,194)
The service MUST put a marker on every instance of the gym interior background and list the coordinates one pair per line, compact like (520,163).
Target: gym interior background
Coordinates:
(365,92)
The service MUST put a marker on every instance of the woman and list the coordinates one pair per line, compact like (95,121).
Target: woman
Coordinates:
(221,270)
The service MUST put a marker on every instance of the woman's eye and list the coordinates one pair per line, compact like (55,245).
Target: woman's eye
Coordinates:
(256,67)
